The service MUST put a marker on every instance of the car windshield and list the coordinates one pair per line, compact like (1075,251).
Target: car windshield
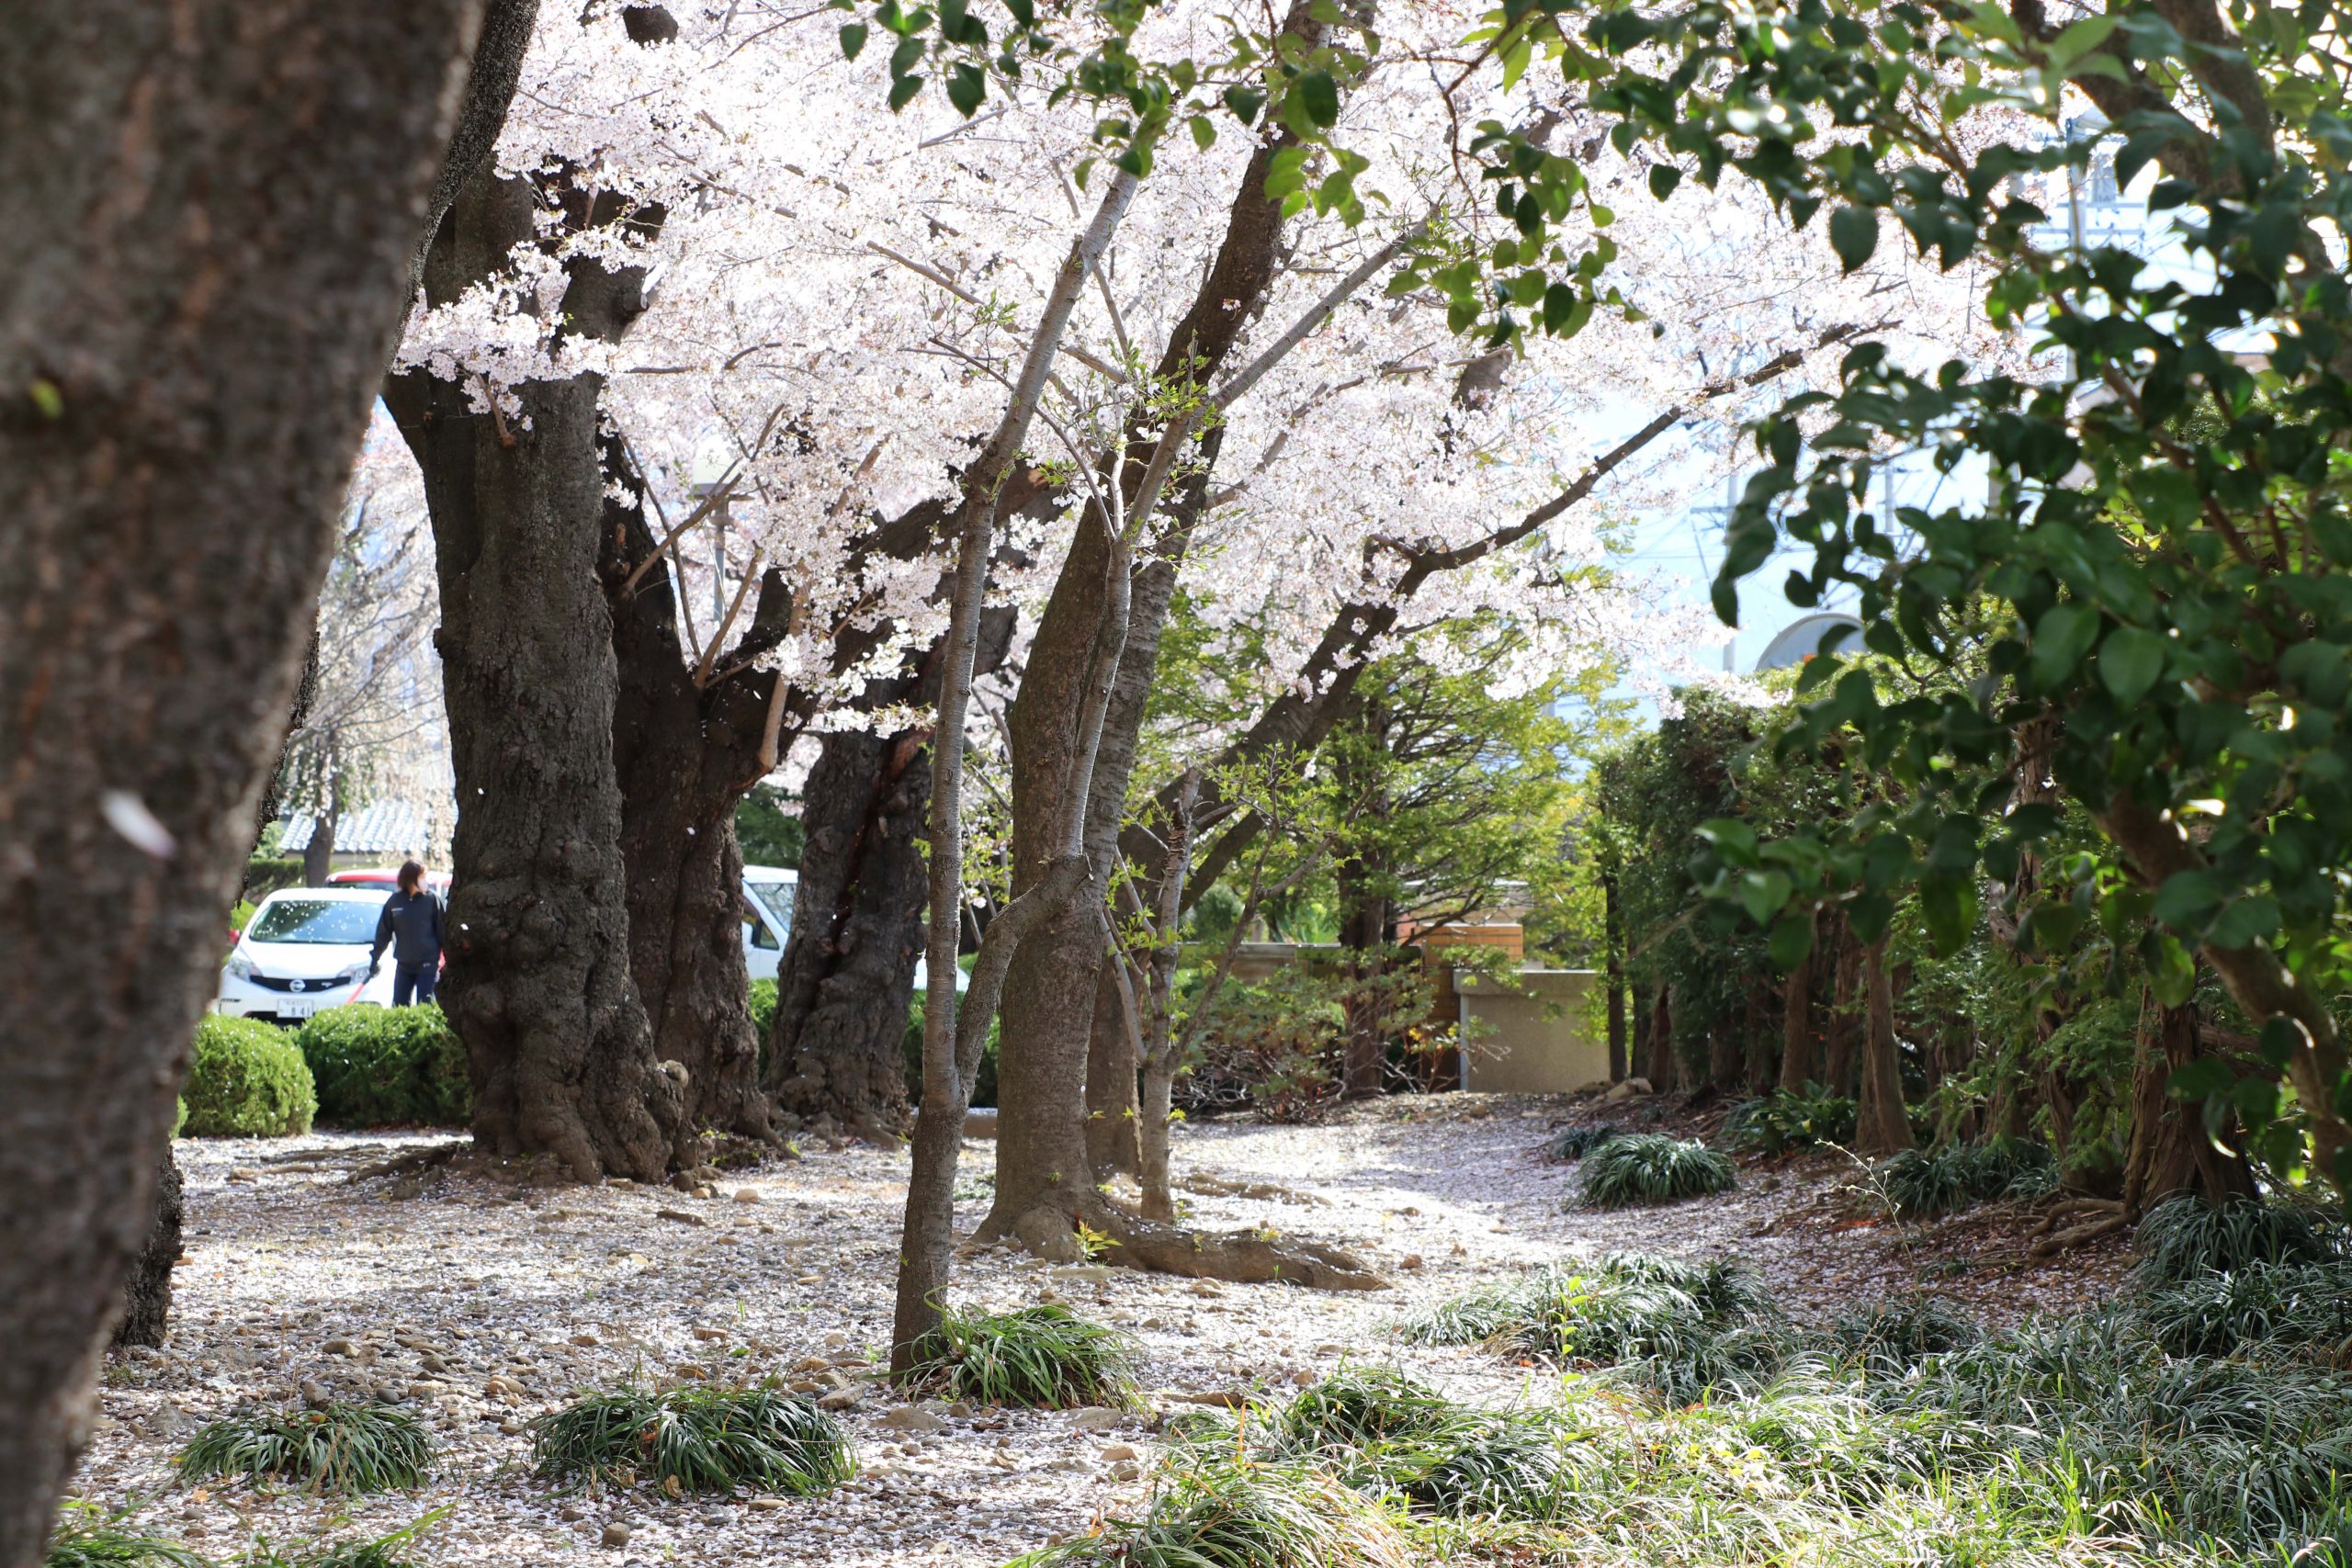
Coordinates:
(324,920)
(775,897)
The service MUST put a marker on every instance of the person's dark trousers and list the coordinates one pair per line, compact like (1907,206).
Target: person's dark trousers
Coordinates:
(413,982)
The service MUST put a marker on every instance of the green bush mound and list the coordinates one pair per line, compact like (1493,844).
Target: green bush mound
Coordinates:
(1651,1168)
(90,1539)
(1676,1329)
(1783,1121)
(708,1441)
(1923,1183)
(386,1067)
(337,1447)
(2290,1309)
(2185,1237)
(1895,1335)
(247,1080)
(1045,1357)
(1574,1143)
(1242,1512)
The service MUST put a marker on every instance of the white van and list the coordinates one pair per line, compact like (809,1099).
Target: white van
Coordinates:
(768,893)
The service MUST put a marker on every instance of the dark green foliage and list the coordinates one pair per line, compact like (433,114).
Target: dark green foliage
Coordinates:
(93,1540)
(389,1551)
(1780,1121)
(338,1447)
(1676,1328)
(762,1009)
(1226,1511)
(1922,1183)
(387,1067)
(2185,1236)
(1895,1335)
(246,1080)
(1651,1168)
(1046,1357)
(1575,1142)
(2303,1309)
(1361,1406)
(711,1441)
(769,835)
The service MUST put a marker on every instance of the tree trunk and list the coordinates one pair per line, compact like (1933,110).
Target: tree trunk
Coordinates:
(1613,941)
(2171,1153)
(1661,1071)
(1796,1025)
(538,984)
(1114,1095)
(1726,1056)
(1762,1040)
(837,1044)
(147,1304)
(317,855)
(686,754)
(206,217)
(1882,1123)
(1842,1058)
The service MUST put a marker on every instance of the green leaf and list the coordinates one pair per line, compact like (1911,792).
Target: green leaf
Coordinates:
(2060,638)
(903,91)
(2129,661)
(1244,103)
(1732,839)
(1664,177)
(1791,939)
(2187,899)
(1762,894)
(1853,234)
(965,88)
(1203,134)
(1319,95)
(852,39)
(1949,905)
(2080,39)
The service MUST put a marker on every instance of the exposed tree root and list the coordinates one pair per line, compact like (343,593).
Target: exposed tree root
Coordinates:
(2050,1245)
(1264,1191)
(2074,1208)
(1241,1257)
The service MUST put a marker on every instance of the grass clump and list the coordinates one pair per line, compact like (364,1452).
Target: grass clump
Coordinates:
(708,1441)
(336,1447)
(2301,1311)
(1678,1329)
(1920,1183)
(1043,1357)
(95,1540)
(1229,1510)
(1570,1144)
(389,1551)
(246,1080)
(1783,1120)
(2185,1238)
(387,1067)
(1892,1337)
(1651,1168)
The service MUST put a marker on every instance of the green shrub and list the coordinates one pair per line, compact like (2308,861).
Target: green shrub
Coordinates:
(2185,1236)
(93,1540)
(1678,1329)
(338,1447)
(247,1081)
(1894,1336)
(1575,1142)
(1234,1512)
(1651,1168)
(1383,1432)
(713,1440)
(1046,1356)
(1783,1120)
(1920,1183)
(762,1008)
(2289,1309)
(387,1067)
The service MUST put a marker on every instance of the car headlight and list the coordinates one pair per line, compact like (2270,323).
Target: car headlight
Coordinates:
(239,966)
(354,974)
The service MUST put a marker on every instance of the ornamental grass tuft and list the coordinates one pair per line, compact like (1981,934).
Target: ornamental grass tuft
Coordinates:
(705,1440)
(1651,1168)
(1045,1357)
(353,1448)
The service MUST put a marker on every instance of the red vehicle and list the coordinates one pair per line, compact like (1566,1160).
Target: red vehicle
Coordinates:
(387,878)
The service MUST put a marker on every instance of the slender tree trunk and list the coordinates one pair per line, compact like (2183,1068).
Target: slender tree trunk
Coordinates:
(1661,1073)
(1726,1056)
(1613,942)
(1113,1097)
(2171,1152)
(1796,1025)
(953,1036)
(1841,1062)
(538,985)
(1882,1123)
(686,754)
(1762,1040)
(147,1308)
(317,855)
(205,216)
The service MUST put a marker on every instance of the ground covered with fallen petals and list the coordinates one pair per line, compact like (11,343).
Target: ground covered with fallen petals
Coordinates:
(479,1302)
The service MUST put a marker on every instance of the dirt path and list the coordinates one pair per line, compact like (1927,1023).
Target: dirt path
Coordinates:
(424,1289)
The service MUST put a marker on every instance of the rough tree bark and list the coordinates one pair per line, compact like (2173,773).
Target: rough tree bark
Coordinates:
(1882,1125)
(1115,1097)
(538,983)
(147,1303)
(685,751)
(2171,1153)
(1840,1055)
(1662,1063)
(206,218)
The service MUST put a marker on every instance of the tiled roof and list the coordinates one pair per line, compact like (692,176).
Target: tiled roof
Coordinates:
(390,828)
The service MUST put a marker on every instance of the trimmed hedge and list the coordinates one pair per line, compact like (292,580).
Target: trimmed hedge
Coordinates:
(387,1067)
(248,1082)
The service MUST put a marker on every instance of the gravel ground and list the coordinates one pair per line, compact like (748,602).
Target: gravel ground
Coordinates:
(482,1302)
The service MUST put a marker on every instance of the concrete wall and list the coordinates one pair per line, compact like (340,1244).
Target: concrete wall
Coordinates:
(1547,1037)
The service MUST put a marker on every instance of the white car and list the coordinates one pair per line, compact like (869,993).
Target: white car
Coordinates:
(768,893)
(305,949)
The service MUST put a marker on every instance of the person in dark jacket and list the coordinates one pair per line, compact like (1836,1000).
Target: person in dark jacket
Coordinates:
(410,923)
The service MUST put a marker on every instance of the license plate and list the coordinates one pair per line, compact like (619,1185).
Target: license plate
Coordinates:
(297,1010)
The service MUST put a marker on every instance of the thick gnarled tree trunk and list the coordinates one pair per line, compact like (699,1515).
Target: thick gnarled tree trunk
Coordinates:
(207,213)
(538,985)
(1881,1122)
